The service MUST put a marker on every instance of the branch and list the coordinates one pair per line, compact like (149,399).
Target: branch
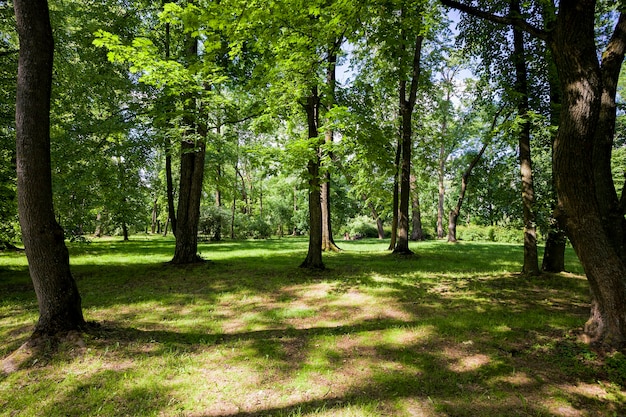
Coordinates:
(503,20)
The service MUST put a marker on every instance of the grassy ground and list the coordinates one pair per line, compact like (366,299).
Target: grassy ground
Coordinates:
(454,331)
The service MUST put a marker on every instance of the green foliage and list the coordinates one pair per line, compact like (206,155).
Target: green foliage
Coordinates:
(213,222)
(251,227)
(616,368)
(360,227)
(475,233)
(9,225)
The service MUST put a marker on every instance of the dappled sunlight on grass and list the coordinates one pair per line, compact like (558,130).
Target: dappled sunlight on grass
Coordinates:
(452,331)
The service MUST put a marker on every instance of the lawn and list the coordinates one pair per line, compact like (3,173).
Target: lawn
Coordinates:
(453,331)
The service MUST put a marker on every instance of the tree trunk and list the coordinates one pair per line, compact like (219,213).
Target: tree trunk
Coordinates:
(379,222)
(125,231)
(167,225)
(417,233)
(314,256)
(188,214)
(441,184)
(217,236)
(48,258)
(171,210)
(531,259)
(554,252)
(456,211)
(155,213)
(402,244)
(610,206)
(396,196)
(98,231)
(328,243)
(574,50)
(407,104)
(190,183)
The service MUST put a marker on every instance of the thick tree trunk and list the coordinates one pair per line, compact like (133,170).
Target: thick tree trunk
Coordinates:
(574,50)
(531,259)
(314,255)
(48,259)
(188,214)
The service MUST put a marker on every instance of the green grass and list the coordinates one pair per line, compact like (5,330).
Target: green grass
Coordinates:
(453,331)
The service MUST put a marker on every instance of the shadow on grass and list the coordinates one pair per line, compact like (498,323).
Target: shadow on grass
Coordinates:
(460,378)
(482,326)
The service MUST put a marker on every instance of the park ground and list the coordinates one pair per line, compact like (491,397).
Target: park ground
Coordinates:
(452,331)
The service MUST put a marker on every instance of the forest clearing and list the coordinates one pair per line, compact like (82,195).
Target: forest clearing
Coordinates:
(452,331)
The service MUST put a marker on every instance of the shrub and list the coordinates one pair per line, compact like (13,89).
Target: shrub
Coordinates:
(476,233)
(361,226)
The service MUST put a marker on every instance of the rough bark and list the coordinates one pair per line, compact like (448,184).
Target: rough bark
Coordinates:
(610,206)
(531,259)
(574,50)
(48,259)
(190,193)
(313,258)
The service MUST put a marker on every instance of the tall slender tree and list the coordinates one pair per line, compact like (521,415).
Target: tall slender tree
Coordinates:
(531,260)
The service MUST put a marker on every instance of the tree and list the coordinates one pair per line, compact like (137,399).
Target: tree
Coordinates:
(571,39)
(456,211)
(531,262)
(328,243)
(48,258)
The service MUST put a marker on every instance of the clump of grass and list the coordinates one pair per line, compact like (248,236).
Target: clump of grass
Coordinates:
(453,331)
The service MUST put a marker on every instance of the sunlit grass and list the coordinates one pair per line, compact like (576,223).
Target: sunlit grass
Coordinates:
(454,330)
